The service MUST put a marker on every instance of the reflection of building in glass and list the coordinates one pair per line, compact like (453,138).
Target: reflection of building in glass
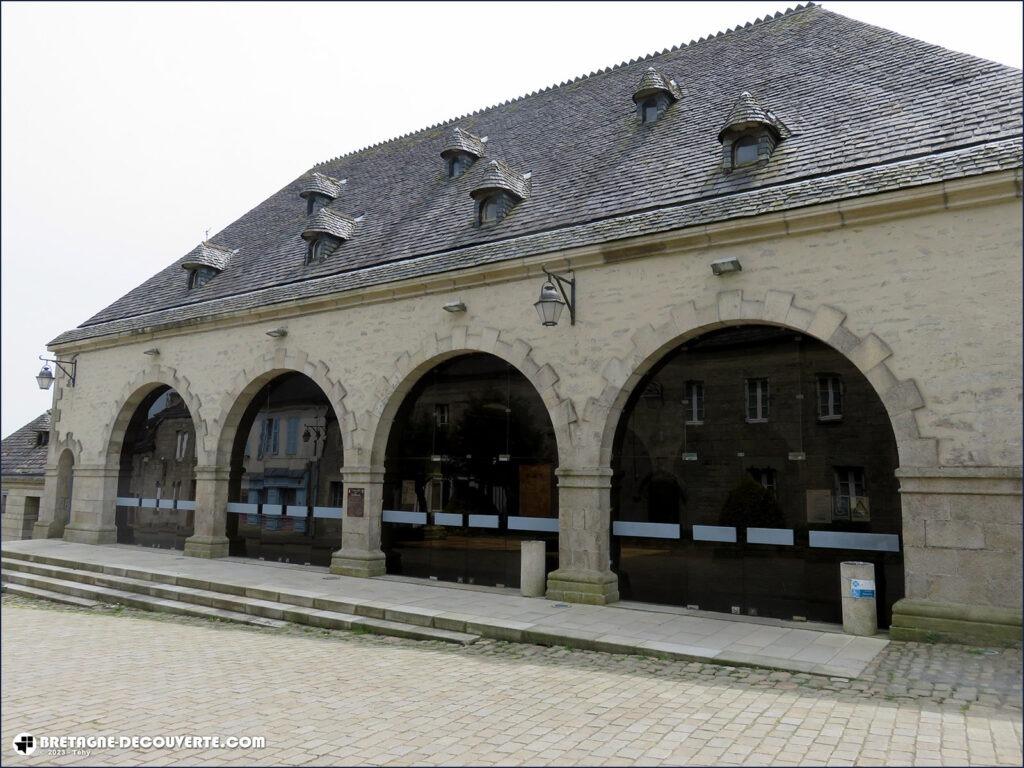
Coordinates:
(158,471)
(790,437)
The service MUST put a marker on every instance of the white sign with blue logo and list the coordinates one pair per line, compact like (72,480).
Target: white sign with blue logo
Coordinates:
(862,587)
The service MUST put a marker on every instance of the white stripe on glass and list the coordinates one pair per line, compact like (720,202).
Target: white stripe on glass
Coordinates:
(448,518)
(645,530)
(400,516)
(724,533)
(483,521)
(331,513)
(876,542)
(240,508)
(127,501)
(782,536)
(549,524)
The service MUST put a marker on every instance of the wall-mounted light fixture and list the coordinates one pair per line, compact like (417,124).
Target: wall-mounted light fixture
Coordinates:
(152,352)
(45,377)
(455,306)
(725,266)
(278,333)
(553,300)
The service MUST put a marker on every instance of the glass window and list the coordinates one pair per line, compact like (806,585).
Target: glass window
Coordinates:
(757,399)
(458,164)
(744,151)
(490,209)
(694,402)
(200,276)
(269,440)
(320,248)
(830,396)
(182,445)
(42,438)
(291,445)
(441,414)
(650,110)
(765,476)
(851,499)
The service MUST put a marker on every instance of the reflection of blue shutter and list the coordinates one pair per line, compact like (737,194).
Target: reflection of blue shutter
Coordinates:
(277,430)
(292,443)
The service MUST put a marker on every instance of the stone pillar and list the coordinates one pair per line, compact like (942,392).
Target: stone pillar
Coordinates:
(93,503)
(584,521)
(22,511)
(360,553)
(860,609)
(962,529)
(208,537)
(532,557)
(49,524)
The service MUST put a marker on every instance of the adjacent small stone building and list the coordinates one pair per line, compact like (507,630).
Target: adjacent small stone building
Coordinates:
(21,484)
(707,323)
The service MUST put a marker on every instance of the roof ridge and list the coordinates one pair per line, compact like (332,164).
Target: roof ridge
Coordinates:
(615,67)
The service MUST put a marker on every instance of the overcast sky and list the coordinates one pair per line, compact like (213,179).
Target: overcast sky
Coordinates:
(130,129)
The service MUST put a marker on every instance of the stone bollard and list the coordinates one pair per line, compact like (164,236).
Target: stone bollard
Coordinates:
(532,579)
(857,582)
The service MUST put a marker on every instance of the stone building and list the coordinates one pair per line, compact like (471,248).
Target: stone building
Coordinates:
(788,257)
(21,485)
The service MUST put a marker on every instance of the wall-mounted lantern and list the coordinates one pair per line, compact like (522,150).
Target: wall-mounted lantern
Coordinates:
(45,377)
(554,299)
(725,266)
(278,333)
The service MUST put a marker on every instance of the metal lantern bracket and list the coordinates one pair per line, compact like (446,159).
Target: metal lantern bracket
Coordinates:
(570,298)
(69,372)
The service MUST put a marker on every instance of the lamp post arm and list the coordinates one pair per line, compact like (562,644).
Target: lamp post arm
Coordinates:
(69,372)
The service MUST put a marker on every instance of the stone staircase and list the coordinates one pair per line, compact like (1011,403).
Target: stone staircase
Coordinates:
(88,584)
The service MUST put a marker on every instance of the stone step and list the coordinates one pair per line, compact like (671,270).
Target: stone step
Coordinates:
(131,599)
(45,594)
(243,605)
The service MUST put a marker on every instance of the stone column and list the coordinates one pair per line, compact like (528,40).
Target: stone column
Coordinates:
(49,525)
(93,502)
(360,553)
(208,537)
(22,510)
(584,520)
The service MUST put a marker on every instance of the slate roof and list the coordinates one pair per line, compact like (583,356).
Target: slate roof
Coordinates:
(19,454)
(869,111)
(746,113)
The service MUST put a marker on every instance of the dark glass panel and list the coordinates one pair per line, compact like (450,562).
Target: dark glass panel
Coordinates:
(471,449)
(745,151)
(749,485)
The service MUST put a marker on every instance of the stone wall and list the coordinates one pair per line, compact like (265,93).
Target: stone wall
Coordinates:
(924,302)
(21,507)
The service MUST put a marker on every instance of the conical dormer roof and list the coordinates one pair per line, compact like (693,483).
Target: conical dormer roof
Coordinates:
(497,174)
(652,82)
(460,140)
(318,183)
(749,113)
(328,222)
(208,255)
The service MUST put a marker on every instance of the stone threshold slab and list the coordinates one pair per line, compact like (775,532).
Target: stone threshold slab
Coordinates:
(490,614)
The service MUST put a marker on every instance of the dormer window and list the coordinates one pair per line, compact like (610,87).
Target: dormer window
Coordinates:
(315,201)
(320,248)
(654,94)
(458,164)
(494,207)
(200,276)
(42,438)
(750,135)
(204,263)
(324,232)
(461,150)
(497,191)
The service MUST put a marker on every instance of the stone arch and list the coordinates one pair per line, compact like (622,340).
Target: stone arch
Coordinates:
(253,378)
(132,395)
(901,397)
(64,477)
(411,366)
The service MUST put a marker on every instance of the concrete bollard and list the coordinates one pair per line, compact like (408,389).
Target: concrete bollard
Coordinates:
(532,578)
(860,615)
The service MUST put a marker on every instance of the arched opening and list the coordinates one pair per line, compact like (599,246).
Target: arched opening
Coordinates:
(65,489)
(285,488)
(748,463)
(469,474)
(156,487)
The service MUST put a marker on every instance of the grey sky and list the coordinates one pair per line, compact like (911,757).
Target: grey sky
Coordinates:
(129,129)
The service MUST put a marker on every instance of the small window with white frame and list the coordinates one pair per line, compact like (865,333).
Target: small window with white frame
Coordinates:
(181,449)
(694,402)
(441,414)
(757,400)
(851,494)
(830,397)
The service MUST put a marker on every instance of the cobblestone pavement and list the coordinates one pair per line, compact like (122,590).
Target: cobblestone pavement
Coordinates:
(339,698)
